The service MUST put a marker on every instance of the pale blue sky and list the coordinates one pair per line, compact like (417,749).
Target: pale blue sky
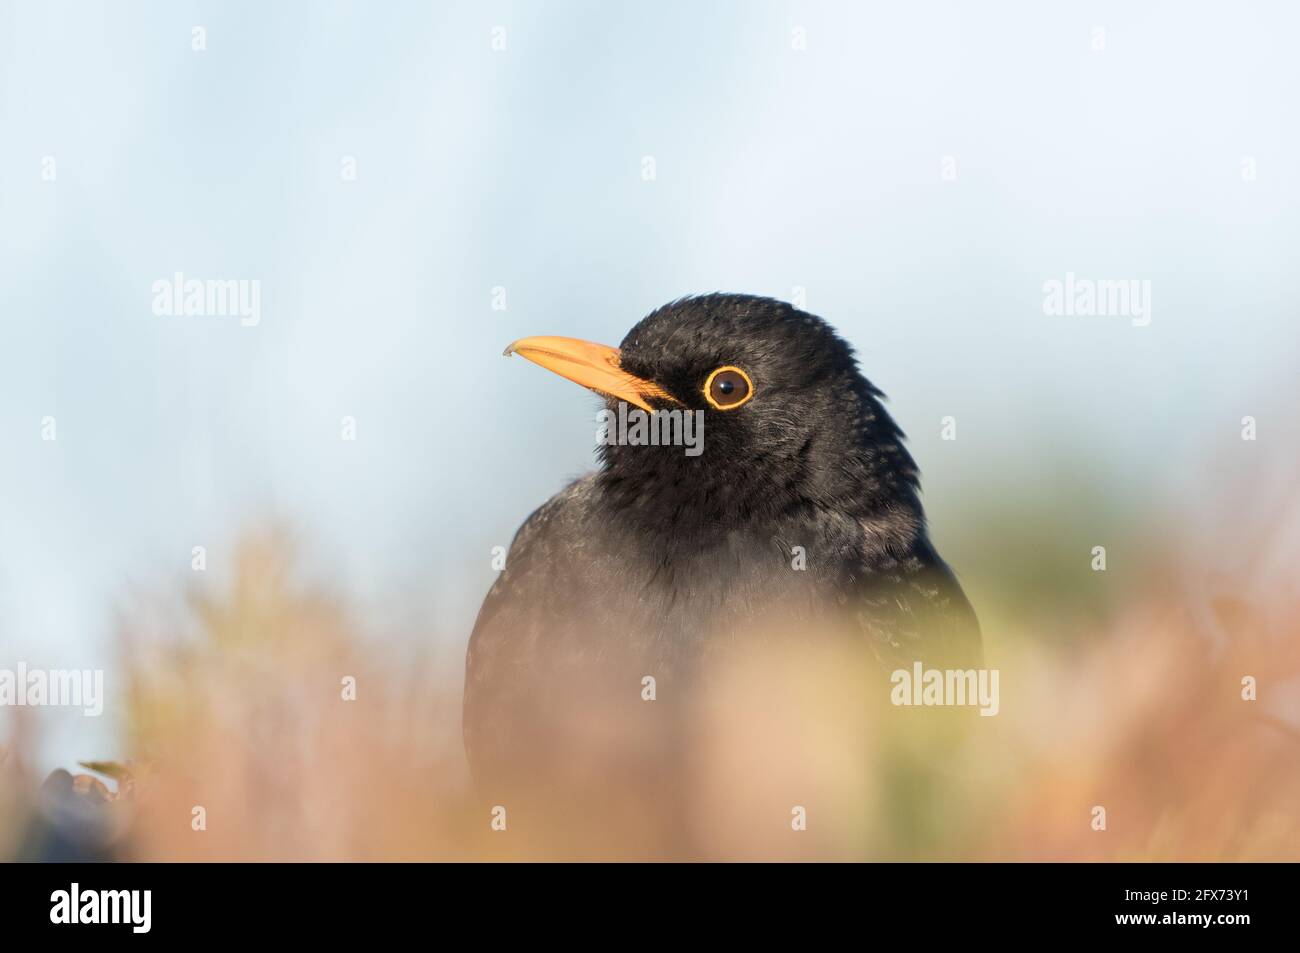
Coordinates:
(776,168)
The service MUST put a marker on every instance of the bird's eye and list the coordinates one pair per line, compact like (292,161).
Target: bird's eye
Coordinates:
(728,387)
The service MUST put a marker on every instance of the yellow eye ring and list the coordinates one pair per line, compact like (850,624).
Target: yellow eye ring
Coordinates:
(728,388)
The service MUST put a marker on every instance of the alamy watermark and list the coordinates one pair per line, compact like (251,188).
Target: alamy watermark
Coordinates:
(1124,298)
(55,688)
(946,687)
(663,428)
(131,908)
(181,297)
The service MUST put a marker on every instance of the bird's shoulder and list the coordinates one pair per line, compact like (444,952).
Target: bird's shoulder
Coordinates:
(548,535)
(529,637)
(911,605)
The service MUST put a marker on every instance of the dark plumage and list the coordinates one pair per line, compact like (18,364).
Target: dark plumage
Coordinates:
(661,561)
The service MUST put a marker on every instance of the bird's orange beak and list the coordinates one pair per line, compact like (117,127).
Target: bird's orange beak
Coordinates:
(592,365)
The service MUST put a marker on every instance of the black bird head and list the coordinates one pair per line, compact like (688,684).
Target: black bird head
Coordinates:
(790,423)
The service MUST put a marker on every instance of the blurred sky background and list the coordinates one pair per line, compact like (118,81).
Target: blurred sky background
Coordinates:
(521,168)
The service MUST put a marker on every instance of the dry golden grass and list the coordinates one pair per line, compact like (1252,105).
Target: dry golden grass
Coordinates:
(237,707)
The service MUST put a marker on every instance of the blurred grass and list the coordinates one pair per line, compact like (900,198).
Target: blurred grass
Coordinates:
(1119,694)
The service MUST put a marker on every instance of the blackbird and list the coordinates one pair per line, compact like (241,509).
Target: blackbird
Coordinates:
(798,520)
